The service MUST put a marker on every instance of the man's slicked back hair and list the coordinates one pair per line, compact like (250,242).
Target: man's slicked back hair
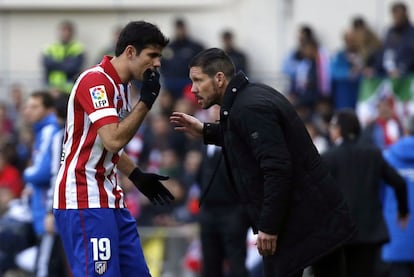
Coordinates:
(214,60)
(140,34)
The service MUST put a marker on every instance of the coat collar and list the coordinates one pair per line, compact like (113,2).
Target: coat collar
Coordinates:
(237,83)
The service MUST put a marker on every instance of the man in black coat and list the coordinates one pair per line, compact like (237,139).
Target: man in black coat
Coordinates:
(359,170)
(296,209)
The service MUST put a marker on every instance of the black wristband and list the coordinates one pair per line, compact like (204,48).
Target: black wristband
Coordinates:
(135,174)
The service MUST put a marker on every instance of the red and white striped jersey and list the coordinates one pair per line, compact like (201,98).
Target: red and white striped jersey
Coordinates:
(87,177)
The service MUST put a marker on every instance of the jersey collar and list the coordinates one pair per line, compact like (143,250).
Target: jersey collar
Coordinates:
(109,68)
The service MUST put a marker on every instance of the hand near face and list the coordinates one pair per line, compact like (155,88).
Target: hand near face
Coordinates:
(187,124)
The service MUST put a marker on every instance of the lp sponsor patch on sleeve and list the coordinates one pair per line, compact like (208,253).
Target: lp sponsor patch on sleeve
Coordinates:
(99,98)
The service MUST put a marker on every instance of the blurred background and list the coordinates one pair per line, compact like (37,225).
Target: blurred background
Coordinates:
(324,55)
(265,29)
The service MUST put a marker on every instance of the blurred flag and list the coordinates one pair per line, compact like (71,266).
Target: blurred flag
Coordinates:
(372,90)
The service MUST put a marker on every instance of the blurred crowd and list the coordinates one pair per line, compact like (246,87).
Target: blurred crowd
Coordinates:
(321,83)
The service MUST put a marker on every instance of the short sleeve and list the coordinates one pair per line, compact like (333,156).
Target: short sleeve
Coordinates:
(95,94)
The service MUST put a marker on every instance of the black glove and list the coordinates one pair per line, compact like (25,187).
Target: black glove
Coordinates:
(149,184)
(150,87)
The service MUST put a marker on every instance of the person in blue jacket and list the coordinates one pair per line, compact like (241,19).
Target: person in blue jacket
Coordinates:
(399,252)
(39,113)
(347,66)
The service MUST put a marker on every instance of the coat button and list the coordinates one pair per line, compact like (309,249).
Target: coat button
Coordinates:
(234,89)
(226,113)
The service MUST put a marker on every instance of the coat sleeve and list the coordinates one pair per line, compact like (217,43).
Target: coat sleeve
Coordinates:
(263,135)
(212,134)
(397,182)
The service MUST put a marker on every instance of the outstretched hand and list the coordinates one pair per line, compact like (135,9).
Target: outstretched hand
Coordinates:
(149,184)
(187,124)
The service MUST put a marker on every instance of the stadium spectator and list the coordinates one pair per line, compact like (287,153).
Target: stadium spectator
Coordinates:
(367,42)
(359,169)
(311,83)
(398,252)
(6,125)
(385,128)
(396,59)
(238,56)
(51,259)
(347,67)
(40,114)
(11,183)
(176,57)
(63,60)
(16,232)
(295,57)
(308,69)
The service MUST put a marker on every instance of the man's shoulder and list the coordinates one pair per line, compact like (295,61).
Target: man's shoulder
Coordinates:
(93,77)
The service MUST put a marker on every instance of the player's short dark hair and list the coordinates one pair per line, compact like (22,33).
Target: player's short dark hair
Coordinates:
(214,60)
(46,97)
(140,34)
(348,122)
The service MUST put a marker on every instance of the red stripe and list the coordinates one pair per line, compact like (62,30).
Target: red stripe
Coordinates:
(85,242)
(100,179)
(78,123)
(106,120)
(81,180)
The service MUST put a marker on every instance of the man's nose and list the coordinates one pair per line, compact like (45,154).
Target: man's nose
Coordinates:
(194,89)
(157,62)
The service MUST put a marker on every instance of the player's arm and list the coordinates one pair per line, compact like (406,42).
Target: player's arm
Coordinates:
(125,164)
(147,183)
(115,136)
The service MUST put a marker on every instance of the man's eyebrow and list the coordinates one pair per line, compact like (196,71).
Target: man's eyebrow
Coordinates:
(154,54)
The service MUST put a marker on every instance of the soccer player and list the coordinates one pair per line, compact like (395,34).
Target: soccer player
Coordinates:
(98,232)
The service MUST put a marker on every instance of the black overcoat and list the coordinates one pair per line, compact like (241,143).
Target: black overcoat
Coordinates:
(359,170)
(279,175)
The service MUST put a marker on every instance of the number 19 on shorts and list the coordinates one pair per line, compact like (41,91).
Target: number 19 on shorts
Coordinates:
(101,248)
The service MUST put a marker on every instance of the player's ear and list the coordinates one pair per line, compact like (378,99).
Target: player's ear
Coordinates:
(130,51)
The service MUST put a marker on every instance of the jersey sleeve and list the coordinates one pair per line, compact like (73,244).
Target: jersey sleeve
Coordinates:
(95,94)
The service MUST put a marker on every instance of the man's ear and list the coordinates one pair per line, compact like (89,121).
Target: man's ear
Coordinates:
(130,51)
(220,79)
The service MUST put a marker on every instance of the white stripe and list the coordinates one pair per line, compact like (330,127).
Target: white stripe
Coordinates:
(98,114)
